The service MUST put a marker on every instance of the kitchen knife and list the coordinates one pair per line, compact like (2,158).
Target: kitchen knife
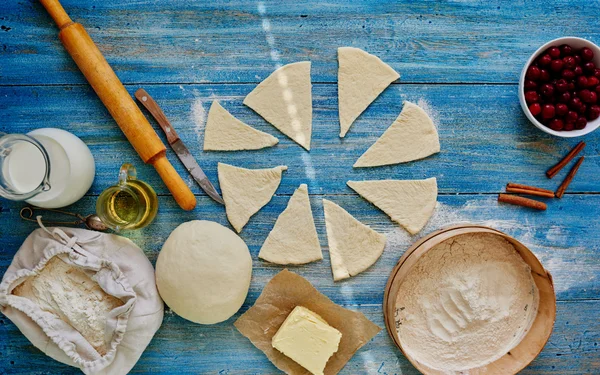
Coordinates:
(177,145)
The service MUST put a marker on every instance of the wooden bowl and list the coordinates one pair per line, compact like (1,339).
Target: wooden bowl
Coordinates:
(532,343)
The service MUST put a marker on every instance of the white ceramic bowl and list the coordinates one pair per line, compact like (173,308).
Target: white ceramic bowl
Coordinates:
(576,43)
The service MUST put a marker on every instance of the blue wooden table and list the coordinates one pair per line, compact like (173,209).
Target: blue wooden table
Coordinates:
(460,59)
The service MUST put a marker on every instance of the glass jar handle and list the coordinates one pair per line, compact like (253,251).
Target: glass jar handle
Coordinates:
(127,173)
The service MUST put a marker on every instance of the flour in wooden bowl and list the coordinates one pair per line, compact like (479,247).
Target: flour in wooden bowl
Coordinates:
(466,302)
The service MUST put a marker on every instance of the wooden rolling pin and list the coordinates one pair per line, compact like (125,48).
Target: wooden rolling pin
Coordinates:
(119,103)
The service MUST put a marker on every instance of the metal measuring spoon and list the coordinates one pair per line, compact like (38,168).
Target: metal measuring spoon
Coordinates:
(92,221)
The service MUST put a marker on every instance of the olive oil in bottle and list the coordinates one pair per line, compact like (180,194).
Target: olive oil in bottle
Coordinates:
(131,204)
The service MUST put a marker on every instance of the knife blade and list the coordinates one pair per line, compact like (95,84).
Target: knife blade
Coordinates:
(182,152)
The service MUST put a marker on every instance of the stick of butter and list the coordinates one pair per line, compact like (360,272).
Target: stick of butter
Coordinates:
(307,339)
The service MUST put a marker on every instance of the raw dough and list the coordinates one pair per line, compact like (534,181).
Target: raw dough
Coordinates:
(203,272)
(411,136)
(353,246)
(409,203)
(284,99)
(226,133)
(467,302)
(68,292)
(293,239)
(245,191)
(361,78)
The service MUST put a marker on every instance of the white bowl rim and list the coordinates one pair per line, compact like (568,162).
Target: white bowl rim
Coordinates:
(592,125)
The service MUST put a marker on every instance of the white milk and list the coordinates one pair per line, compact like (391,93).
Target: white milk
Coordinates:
(25,167)
(72,168)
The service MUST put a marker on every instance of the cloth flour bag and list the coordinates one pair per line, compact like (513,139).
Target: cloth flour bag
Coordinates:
(84,298)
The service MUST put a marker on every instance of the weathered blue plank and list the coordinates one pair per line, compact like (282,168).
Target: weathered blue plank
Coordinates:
(228,41)
(486,140)
(181,347)
(567,243)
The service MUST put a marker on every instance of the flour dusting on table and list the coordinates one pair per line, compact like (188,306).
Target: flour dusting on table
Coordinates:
(466,303)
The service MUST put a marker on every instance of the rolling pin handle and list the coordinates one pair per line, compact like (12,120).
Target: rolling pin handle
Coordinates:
(180,190)
(57,12)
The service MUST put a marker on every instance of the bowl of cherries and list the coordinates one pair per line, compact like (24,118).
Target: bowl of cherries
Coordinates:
(559,89)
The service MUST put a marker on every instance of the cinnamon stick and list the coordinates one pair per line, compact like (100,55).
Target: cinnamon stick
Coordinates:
(565,184)
(529,190)
(520,201)
(561,164)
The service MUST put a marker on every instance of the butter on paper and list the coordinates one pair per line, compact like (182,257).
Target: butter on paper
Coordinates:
(279,297)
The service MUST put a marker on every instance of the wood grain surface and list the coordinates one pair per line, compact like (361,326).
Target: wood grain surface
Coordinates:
(460,60)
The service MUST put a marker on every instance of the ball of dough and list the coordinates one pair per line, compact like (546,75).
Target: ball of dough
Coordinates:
(203,272)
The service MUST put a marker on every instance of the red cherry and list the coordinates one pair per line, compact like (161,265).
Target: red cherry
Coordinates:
(544,75)
(564,97)
(568,74)
(554,52)
(571,86)
(545,60)
(575,103)
(587,54)
(593,98)
(597,73)
(561,109)
(597,89)
(582,82)
(593,112)
(571,116)
(569,62)
(548,111)
(531,97)
(535,109)
(561,85)
(593,81)
(577,59)
(556,65)
(566,50)
(547,89)
(578,71)
(556,124)
(582,109)
(589,67)
(580,123)
(530,85)
(533,73)
(569,126)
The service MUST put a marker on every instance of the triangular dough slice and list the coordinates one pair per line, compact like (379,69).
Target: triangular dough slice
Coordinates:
(284,99)
(411,136)
(226,133)
(245,191)
(353,246)
(409,203)
(293,239)
(361,78)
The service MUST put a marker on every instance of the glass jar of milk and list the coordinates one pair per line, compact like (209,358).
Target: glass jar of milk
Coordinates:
(48,167)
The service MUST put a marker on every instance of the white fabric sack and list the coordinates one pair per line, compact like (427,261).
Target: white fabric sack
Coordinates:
(119,268)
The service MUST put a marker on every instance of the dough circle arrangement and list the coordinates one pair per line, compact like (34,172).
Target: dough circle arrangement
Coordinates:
(203,272)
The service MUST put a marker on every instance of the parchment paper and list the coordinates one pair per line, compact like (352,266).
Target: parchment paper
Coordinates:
(279,297)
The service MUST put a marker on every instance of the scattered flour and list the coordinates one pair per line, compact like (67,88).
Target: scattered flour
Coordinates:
(67,291)
(466,303)
(431,112)
(199,118)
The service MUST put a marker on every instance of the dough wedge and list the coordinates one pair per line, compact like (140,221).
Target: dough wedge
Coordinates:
(409,203)
(411,136)
(246,191)
(353,246)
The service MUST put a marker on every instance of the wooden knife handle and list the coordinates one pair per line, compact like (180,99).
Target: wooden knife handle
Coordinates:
(152,106)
